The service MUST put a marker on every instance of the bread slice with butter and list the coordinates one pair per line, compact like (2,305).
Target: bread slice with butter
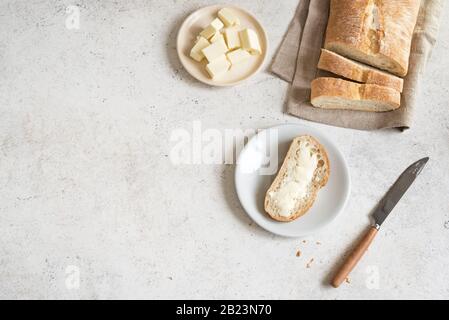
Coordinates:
(304,172)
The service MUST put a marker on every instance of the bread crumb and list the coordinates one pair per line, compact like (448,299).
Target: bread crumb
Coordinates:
(347,280)
(309,264)
(298,253)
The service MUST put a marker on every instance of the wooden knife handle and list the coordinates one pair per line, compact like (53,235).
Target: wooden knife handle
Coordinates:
(354,257)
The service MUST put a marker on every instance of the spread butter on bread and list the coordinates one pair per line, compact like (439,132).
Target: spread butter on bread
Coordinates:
(304,172)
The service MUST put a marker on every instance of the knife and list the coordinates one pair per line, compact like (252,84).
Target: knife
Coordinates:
(381,212)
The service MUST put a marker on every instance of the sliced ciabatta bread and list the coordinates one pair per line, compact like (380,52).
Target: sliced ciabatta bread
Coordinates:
(304,171)
(337,64)
(378,33)
(333,93)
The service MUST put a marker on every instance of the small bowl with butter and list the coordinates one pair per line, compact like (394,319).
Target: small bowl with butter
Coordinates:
(222,45)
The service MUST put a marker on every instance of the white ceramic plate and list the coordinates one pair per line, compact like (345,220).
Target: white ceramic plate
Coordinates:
(253,178)
(200,19)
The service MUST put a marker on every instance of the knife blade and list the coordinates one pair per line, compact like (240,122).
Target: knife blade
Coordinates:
(397,190)
(386,205)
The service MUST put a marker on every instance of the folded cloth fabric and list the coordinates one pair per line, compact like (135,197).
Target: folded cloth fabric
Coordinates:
(297,59)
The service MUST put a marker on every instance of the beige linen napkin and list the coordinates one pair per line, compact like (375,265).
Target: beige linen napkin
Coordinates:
(298,55)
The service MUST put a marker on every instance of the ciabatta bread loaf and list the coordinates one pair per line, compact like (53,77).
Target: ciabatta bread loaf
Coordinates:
(356,71)
(304,171)
(376,32)
(333,93)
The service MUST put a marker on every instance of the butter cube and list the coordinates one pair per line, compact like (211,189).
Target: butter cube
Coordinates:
(215,50)
(212,29)
(238,56)
(216,37)
(228,17)
(208,32)
(217,24)
(196,52)
(250,41)
(218,67)
(232,38)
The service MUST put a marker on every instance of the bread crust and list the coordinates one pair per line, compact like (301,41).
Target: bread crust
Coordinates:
(367,94)
(339,65)
(317,185)
(376,32)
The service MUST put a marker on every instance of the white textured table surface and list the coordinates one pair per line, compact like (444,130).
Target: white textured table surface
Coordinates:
(87,188)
